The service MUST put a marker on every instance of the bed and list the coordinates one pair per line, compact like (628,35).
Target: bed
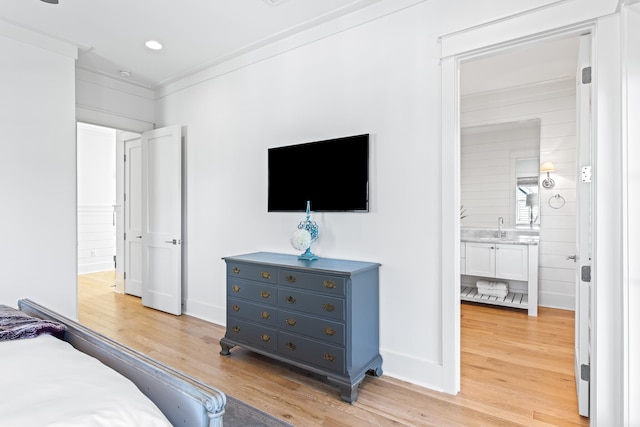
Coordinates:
(49,378)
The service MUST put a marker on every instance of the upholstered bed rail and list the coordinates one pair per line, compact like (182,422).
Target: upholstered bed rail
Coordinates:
(183,400)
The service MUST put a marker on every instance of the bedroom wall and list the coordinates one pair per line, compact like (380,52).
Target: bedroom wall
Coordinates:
(37,171)
(632,125)
(376,71)
(357,81)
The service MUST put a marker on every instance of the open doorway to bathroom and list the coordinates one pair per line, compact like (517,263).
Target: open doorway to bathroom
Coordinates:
(535,82)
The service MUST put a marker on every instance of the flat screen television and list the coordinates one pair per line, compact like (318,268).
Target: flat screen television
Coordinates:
(332,174)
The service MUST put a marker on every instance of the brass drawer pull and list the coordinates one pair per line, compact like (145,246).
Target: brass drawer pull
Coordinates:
(290,300)
(329,357)
(290,279)
(235,307)
(265,337)
(265,294)
(236,270)
(236,329)
(291,346)
(329,284)
(329,307)
(235,288)
(265,275)
(291,322)
(265,315)
(329,331)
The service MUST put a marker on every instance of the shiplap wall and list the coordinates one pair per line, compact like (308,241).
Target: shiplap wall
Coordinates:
(487,169)
(554,104)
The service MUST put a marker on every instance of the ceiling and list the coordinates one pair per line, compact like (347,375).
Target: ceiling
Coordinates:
(196,34)
(540,62)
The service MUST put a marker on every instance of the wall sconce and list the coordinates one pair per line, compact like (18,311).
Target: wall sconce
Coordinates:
(548,167)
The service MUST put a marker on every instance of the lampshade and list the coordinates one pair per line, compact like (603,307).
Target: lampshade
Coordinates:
(547,167)
(532,199)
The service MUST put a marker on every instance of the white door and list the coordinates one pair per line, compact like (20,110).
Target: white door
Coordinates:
(162,219)
(133,215)
(584,226)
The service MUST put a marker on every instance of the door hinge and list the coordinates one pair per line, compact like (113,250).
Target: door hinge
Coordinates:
(586,75)
(125,157)
(125,196)
(125,275)
(586,273)
(125,236)
(585,372)
(586,174)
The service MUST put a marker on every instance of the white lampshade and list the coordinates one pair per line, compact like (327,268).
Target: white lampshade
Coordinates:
(547,167)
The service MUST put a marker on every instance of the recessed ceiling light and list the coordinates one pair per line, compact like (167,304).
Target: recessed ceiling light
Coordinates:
(50,1)
(124,73)
(153,45)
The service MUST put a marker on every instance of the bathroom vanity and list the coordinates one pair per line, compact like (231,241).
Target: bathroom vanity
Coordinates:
(512,259)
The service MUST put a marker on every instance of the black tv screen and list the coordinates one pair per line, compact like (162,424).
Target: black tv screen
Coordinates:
(332,174)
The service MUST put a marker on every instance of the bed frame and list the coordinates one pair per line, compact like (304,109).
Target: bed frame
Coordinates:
(182,399)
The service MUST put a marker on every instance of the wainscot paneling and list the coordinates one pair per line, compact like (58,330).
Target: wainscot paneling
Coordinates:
(96,239)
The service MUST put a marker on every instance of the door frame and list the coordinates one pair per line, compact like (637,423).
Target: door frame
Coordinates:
(608,397)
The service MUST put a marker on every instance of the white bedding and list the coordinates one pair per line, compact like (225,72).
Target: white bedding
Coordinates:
(47,382)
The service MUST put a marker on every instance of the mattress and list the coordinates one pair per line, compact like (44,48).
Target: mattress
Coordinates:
(47,382)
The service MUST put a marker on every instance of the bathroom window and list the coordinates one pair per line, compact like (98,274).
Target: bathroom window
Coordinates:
(527,206)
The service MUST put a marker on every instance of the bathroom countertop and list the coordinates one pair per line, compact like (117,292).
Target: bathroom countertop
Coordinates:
(521,240)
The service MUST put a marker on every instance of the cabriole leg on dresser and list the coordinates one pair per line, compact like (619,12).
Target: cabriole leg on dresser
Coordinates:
(226,347)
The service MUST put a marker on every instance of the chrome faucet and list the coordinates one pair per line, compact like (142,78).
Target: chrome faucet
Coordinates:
(500,222)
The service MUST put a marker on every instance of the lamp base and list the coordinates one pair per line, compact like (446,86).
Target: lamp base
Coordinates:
(548,183)
(308,256)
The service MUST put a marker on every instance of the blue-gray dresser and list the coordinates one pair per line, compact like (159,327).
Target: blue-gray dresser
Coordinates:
(322,315)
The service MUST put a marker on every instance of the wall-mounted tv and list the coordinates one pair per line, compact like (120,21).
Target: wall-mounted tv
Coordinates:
(333,174)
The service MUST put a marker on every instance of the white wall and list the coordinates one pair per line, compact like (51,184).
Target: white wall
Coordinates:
(632,172)
(358,81)
(38,172)
(96,197)
(554,104)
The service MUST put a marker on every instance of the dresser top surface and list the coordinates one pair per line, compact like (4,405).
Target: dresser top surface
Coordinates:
(337,266)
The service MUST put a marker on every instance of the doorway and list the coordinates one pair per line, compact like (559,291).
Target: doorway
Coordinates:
(536,81)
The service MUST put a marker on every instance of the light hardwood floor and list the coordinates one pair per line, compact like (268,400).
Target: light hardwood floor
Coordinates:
(516,370)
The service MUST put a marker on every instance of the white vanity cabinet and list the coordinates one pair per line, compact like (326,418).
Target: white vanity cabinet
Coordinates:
(505,261)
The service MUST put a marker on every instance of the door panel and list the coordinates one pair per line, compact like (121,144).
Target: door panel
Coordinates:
(133,216)
(162,219)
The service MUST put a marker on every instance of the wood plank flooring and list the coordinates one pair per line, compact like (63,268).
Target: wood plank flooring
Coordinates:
(516,370)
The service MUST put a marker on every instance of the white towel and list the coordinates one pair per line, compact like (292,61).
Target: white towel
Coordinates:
(491,285)
(500,293)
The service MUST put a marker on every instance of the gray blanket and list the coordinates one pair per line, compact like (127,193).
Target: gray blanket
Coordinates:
(15,324)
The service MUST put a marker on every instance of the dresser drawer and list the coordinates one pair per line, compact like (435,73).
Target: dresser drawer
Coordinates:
(261,273)
(332,285)
(251,333)
(317,353)
(253,291)
(314,327)
(264,314)
(321,305)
